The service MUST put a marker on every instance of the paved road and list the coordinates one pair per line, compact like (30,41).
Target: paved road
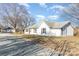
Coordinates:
(15,46)
(11,45)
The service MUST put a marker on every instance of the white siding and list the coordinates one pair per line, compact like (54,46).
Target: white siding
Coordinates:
(64,32)
(32,31)
(70,31)
(25,32)
(13,30)
(55,32)
(43,25)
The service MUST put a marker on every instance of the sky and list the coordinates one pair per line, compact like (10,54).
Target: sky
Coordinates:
(48,11)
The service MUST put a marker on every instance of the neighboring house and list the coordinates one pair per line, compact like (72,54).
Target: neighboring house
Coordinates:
(7,30)
(51,28)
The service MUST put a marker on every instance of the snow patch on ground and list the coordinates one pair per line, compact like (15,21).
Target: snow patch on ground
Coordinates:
(5,42)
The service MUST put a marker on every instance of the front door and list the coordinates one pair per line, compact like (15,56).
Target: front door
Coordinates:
(43,31)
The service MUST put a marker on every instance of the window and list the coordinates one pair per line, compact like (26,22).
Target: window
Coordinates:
(44,30)
(35,30)
(26,30)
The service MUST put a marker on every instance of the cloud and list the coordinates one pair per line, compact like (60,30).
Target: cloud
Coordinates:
(25,4)
(40,17)
(57,7)
(54,17)
(43,5)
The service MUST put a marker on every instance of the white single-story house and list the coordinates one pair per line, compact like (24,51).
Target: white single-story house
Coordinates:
(51,28)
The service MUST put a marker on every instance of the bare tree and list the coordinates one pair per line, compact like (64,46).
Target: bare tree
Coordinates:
(71,13)
(16,16)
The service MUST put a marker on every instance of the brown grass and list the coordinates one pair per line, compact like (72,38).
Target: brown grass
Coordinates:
(66,45)
(72,45)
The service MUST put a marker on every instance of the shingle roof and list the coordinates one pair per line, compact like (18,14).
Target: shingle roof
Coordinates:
(57,24)
(34,26)
(52,24)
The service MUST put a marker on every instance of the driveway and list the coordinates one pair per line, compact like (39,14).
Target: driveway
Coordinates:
(16,46)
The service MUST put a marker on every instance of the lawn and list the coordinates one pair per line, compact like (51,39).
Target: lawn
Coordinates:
(64,45)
